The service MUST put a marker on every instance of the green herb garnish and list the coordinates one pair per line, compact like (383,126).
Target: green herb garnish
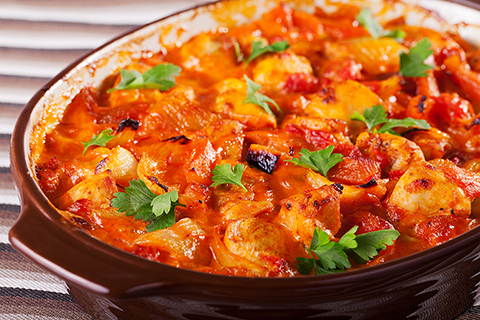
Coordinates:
(161,77)
(140,201)
(99,140)
(224,173)
(320,161)
(412,64)
(257,98)
(330,257)
(258,49)
(377,115)
(375,29)
(238,53)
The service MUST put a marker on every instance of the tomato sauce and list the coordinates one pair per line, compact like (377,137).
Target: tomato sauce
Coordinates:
(419,181)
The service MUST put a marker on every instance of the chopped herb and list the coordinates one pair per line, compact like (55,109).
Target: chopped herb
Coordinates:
(375,29)
(257,98)
(412,64)
(258,49)
(376,115)
(320,161)
(330,257)
(140,201)
(396,34)
(238,52)
(161,77)
(224,173)
(99,140)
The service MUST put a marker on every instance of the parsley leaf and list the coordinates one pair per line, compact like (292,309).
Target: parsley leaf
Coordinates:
(258,49)
(258,98)
(375,29)
(140,201)
(329,256)
(320,161)
(377,115)
(411,64)
(372,117)
(225,174)
(397,34)
(161,77)
(238,52)
(369,244)
(98,140)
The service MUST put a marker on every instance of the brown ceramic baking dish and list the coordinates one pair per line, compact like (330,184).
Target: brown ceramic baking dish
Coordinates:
(438,283)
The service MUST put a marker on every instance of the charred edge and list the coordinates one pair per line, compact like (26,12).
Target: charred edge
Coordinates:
(127,123)
(182,139)
(413,130)
(338,187)
(81,222)
(421,104)
(100,165)
(371,183)
(424,183)
(316,204)
(475,122)
(261,159)
(155,180)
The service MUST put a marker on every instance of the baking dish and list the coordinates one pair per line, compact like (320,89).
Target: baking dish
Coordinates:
(110,283)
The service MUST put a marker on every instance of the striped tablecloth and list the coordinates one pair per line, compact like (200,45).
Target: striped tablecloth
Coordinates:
(38,38)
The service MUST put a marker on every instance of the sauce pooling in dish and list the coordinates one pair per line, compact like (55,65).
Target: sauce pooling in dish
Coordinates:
(277,148)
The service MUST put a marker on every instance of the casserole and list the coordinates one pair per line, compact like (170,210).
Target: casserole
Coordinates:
(74,270)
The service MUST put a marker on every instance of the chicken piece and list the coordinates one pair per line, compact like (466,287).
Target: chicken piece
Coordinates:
(367,196)
(176,162)
(340,100)
(178,112)
(260,242)
(391,151)
(97,190)
(200,163)
(226,138)
(183,244)
(468,80)
(246,209)
(433,142)
(320,132)
(231,95)
(423,192)
(465,179)
(377,56)
(234,264)
(161,166)
(206,56)
(122,165)
(302,213)
(274,71)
